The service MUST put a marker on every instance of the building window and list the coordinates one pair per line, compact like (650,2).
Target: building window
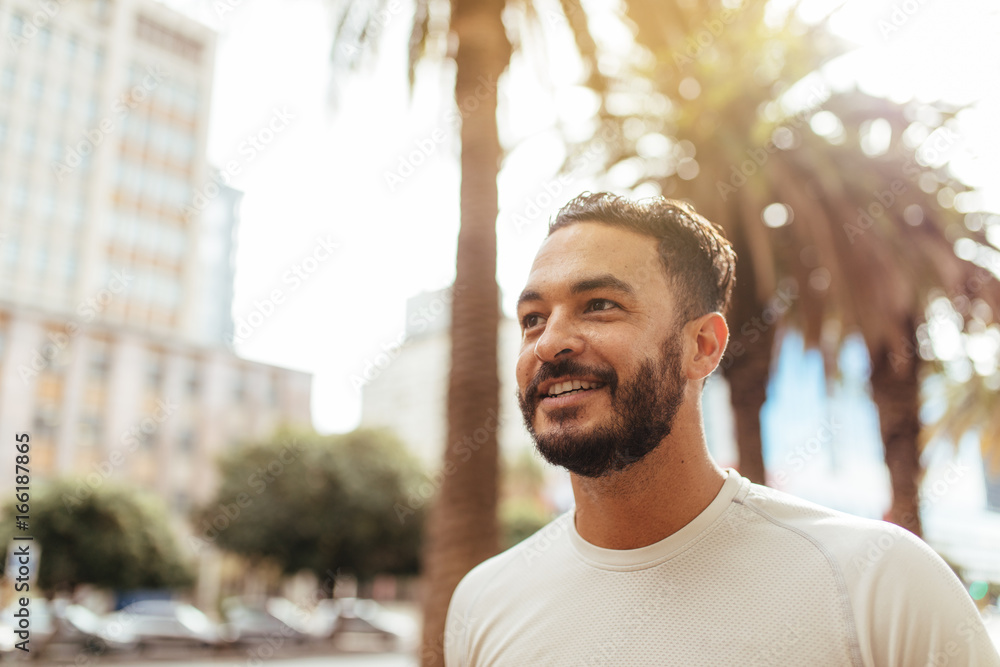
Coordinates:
(193,383)
(154,371)
(28,142)
(272,390)
(239,386)
(7,79)
(100,361)
(20,197)
(70,268)
(41,260)
(46,422)
(16,25)
(170,40)
(77,214)
(90,430)
(13,247)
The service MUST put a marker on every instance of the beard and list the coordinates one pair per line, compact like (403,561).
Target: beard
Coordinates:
(642,414)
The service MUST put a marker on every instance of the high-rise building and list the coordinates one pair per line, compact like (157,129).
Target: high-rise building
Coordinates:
(104,110)
(116,254)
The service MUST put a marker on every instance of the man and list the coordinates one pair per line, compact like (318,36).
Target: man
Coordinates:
(667,559)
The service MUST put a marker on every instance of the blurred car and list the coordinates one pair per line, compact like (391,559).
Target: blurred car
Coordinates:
(290,614)
(253,621)
(365,624)
(79,626)
(59,625)
(324,618)
(168,623)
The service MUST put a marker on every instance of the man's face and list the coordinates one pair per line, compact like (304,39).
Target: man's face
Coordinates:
(599,372)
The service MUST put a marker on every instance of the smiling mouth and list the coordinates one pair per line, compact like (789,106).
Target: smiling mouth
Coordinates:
(571,387)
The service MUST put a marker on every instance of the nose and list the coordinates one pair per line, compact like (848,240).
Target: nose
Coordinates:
(560,339)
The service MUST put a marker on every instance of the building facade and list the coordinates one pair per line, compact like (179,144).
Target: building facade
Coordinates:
(104,108)
(106,402)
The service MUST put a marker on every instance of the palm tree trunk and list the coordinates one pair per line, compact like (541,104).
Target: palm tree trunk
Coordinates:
(747,362)
(462,528)
(896,392)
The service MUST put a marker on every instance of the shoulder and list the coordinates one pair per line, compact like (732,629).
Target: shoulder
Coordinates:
(855,545)
(908,606)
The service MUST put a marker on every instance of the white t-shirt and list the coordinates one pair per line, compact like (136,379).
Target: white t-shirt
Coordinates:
(758,578)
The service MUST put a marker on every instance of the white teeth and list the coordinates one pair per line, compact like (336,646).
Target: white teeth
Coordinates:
(571,386)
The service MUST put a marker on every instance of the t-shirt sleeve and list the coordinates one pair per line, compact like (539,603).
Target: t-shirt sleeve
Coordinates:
(914,610)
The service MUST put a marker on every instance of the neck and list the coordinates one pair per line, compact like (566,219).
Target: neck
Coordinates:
(654,498)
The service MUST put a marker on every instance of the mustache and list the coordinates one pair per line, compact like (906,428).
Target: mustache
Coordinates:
(549,371)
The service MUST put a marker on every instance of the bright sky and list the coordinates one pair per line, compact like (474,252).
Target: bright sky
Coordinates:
(324,175)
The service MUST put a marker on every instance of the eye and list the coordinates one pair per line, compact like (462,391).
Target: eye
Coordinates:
(601,304)
(530,320)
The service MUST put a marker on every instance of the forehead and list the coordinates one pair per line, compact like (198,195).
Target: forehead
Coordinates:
(586,249)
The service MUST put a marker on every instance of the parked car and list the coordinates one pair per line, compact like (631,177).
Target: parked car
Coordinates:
(79,626)
(324,618)
(366,624)
(253,621)
(60,626)
(169,623)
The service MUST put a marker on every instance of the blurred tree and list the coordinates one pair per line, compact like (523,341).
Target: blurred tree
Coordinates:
(965,386)
(839,204)
(523,509)
(973,408)
(320,503)
(520,518)
(111,537)
(523,476)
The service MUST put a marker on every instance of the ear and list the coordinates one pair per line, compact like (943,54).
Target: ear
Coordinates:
(710,333)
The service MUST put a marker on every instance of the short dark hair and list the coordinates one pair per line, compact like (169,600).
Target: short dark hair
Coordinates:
(698,259)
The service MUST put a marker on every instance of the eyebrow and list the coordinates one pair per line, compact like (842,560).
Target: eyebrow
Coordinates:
(603,281)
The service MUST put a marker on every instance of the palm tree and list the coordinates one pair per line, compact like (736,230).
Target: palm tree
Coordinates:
(859,227)
(970,396)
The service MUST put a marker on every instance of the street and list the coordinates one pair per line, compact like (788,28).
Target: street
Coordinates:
(341,660)
(334,660)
